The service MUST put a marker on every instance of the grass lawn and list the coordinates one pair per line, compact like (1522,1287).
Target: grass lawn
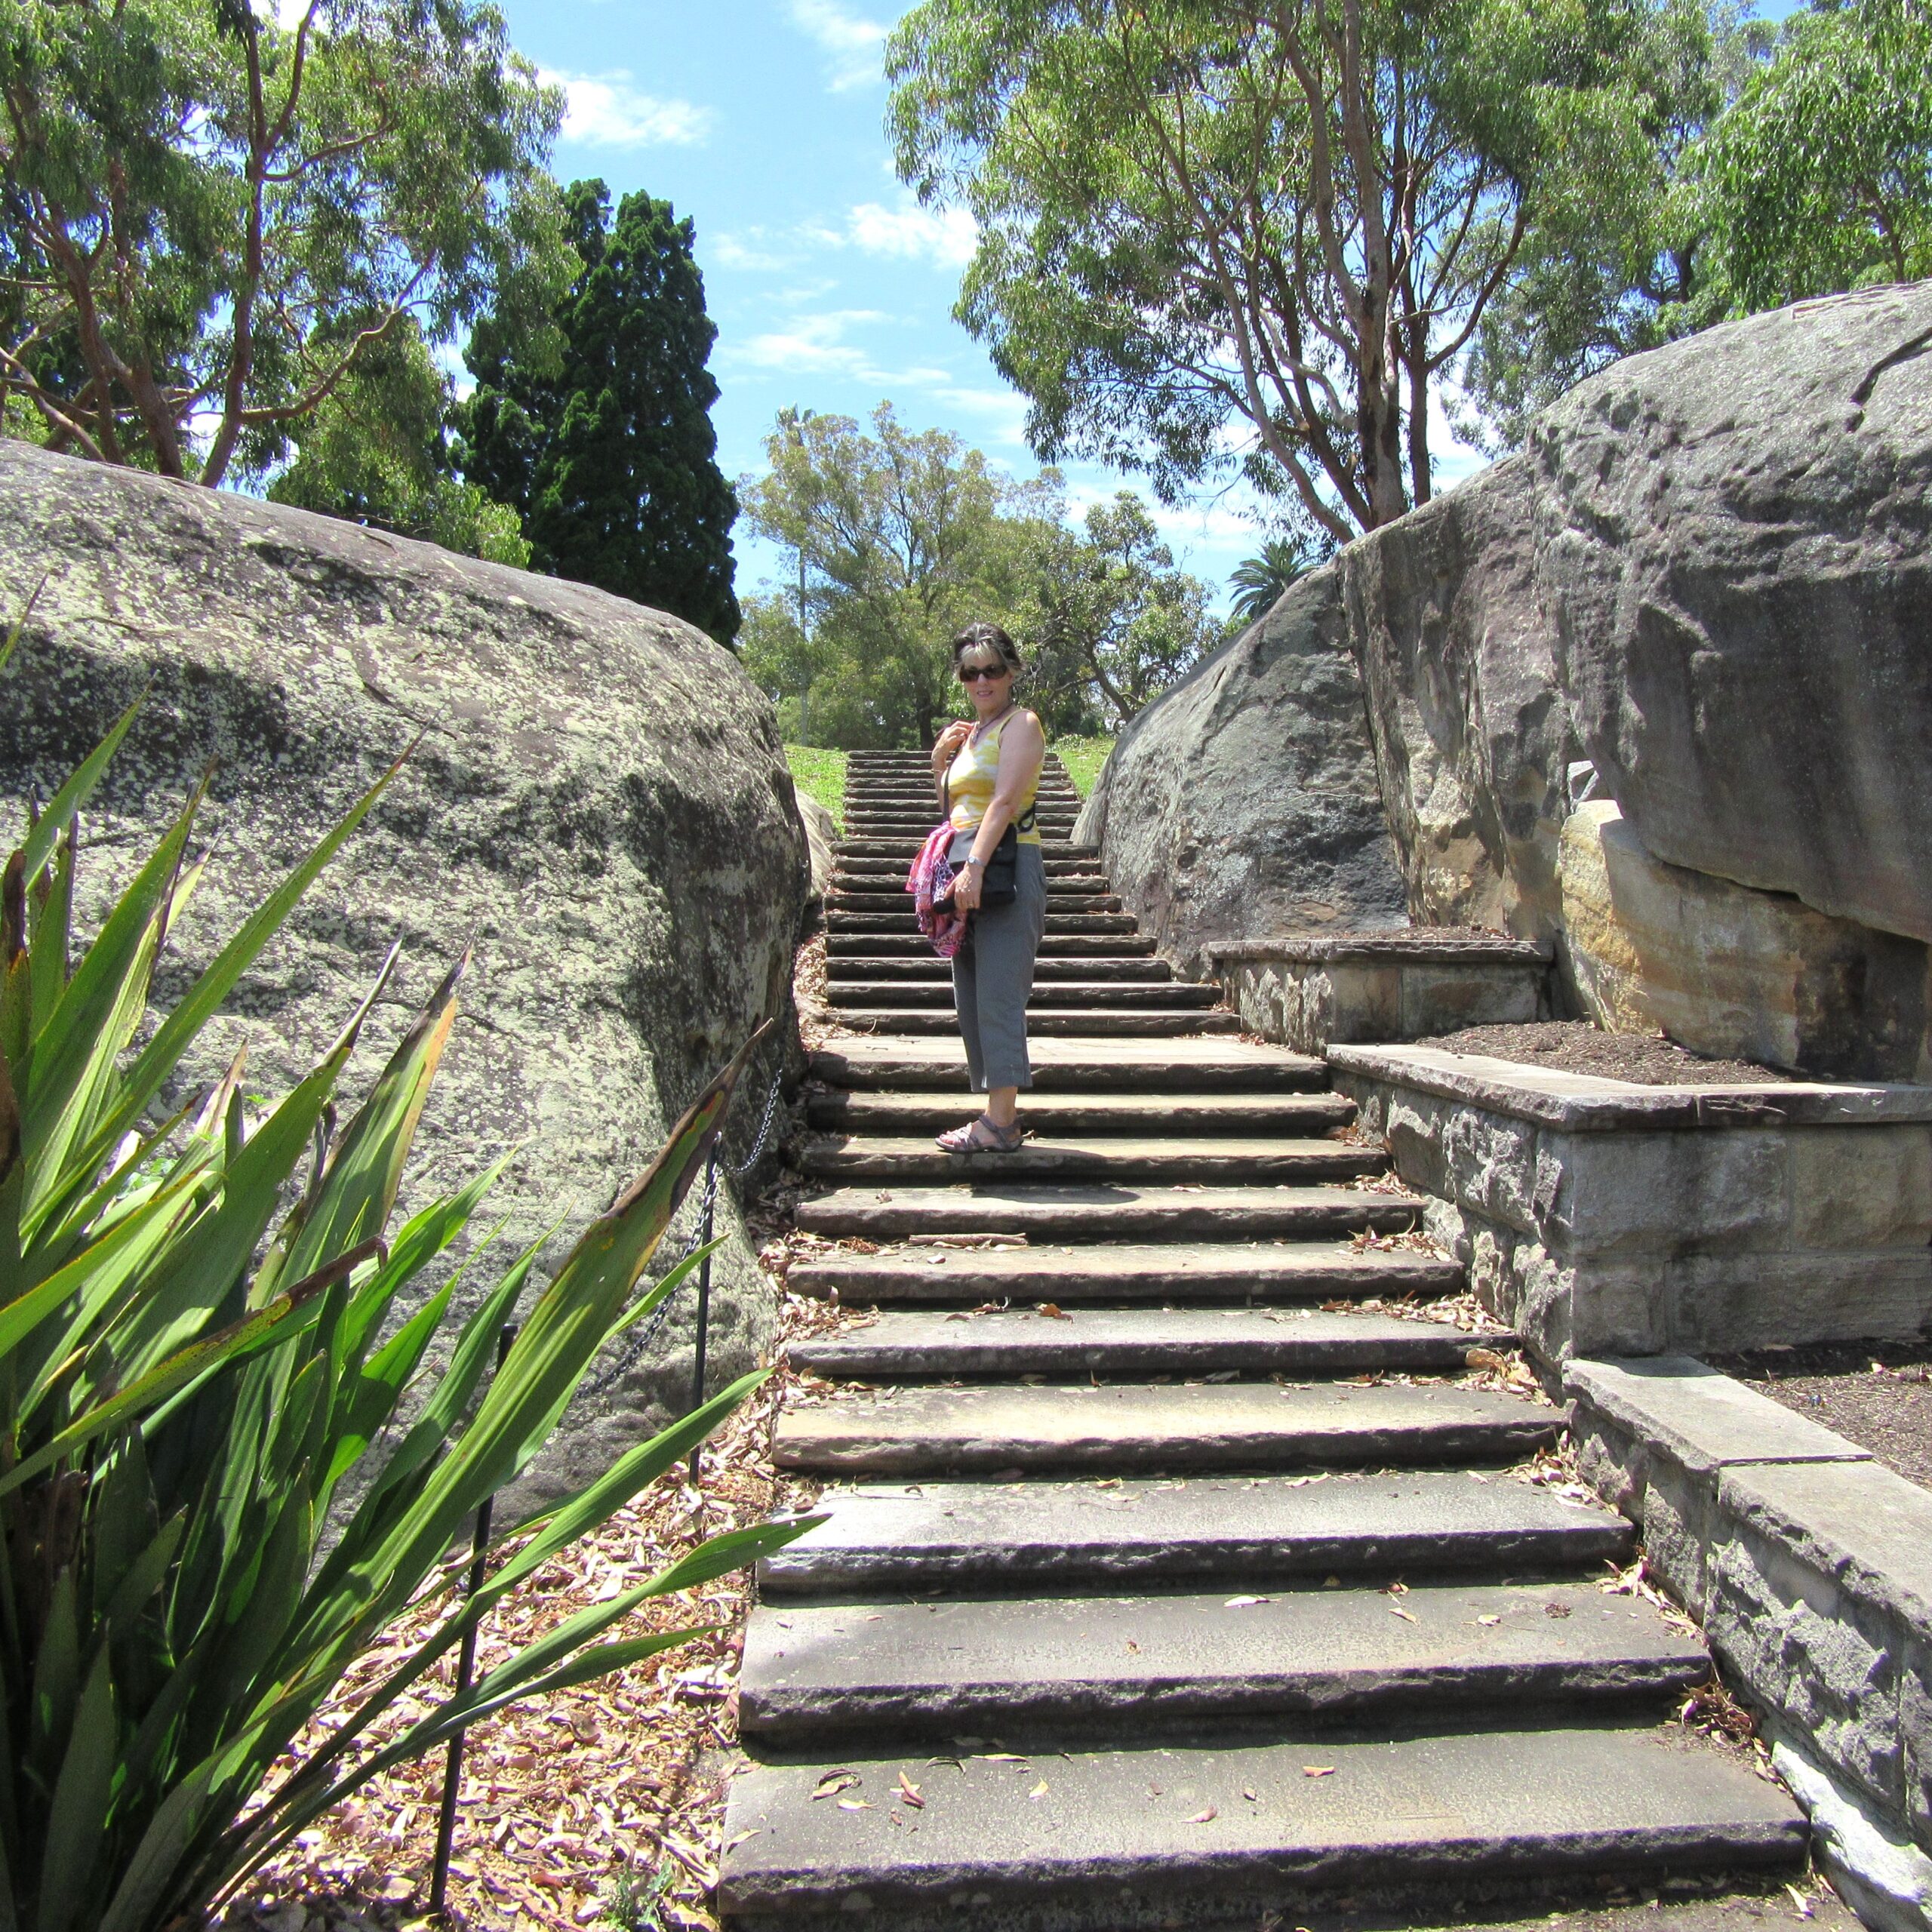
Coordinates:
(820,774)
(1083,758)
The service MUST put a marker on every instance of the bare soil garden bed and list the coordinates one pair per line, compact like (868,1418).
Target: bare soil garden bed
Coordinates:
(1575,1046)
(1877,1394)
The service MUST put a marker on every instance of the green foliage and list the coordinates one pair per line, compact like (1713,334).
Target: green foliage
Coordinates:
(374,451)
(819,773)
(611,459)
(1819,178)
(213,213)
(1216,238)
(1107,619)
(192,1369)
(1258,581)
(1083,758)
(900,540)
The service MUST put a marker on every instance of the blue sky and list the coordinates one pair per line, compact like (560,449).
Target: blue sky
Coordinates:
(762,120)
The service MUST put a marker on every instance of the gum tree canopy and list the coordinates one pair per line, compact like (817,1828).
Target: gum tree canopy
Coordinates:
(1215,232)
(214,209)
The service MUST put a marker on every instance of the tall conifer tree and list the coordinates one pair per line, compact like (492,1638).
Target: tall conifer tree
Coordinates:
(613,461)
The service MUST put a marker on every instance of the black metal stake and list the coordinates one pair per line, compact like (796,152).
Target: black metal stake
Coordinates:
(703,1298)
(466,1663)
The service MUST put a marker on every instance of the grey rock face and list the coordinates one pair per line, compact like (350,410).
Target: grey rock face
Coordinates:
(599,804)
(1734,541)
(1244,802)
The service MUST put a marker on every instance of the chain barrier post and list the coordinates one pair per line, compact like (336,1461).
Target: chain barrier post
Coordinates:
(465,1663)
(703,1300)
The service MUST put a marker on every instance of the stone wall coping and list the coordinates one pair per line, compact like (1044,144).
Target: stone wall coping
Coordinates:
(1590,1103)
(1703,1419)
(1407,948)
(1865,1527)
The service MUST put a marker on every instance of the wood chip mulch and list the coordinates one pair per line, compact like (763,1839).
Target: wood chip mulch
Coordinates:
(600,1804)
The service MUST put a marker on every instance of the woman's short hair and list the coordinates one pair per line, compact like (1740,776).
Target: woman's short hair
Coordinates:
(983,637)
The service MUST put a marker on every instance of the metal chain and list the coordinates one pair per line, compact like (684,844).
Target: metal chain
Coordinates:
(626,1358)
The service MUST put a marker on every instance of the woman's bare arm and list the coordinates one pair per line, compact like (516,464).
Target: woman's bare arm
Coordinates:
(1022,748)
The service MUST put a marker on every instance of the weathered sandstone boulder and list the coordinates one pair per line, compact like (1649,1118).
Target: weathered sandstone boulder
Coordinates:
(821,836)
(1732,972)
(1734,541)
(599,804)
(1244,802)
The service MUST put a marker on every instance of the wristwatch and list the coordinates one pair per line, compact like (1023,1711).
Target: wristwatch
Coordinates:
(980,863)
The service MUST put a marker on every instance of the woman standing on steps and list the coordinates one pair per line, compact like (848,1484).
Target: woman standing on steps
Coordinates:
(987,769)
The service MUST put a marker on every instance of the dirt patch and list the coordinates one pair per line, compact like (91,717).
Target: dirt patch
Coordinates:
(1877,1394)
(1574,1046)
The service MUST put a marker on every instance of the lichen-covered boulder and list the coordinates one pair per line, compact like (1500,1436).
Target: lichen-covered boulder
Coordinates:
(1243,803)
(1734,541)
(596,802)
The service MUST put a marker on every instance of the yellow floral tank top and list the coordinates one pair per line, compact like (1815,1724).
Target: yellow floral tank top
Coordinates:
(970,779)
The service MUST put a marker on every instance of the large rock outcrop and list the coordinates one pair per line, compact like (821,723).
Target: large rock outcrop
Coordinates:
(1734,541)
(1244,802)
(599,804)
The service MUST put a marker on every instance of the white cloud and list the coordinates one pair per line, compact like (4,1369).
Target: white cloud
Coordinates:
(752,248)
(811,345)
(855,45)
(607,111)
(945,236)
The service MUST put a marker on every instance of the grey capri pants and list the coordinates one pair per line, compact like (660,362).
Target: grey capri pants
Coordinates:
(993,978)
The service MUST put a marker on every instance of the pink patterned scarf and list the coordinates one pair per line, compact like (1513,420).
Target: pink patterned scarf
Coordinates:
(930,882)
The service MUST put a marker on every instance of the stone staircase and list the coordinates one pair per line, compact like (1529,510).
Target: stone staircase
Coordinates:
(1169,1576)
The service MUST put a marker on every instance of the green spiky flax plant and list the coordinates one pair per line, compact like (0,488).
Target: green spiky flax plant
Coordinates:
(187,1382)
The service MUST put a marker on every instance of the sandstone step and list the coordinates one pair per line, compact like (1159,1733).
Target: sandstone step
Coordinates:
(1084,1023)
(843,970)
(1249,1160)
(1285,1273)
(866,826)
(1110,995)
(852,866)
(899,919)
(1135,1343)
(1085,1066)
(1251,1532)
(1001,1840)
(1132,1430)
(899,901)
(1046,1210)
(1050,1113)
(816,1675)
(916,797)
(903,851)
(915,945)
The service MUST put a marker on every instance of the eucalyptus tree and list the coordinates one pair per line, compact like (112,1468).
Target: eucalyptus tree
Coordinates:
(213,211)
(1220,232)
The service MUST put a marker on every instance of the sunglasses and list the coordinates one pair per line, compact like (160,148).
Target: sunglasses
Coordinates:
(969,674)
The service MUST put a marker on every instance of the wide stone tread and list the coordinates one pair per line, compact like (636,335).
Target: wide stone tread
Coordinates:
(1009,1538)
(841,969)
(1084,1023)
(901,920)
(1122,996)
(1117,1342)
(1053,1113)
(851,866)
(918,1431)
(1048,1211)
(1084,1066)
(1283,1273)
(896,900)
(1253,1160)
(1175,1825)
(815,1674)
(915,945)
(903,851)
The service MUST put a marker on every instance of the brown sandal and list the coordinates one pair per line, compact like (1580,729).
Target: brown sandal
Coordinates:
(968,1140)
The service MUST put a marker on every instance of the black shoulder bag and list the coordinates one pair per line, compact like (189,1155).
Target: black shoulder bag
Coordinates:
(1000,885)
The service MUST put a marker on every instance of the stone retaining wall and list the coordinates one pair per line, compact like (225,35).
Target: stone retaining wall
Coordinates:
(1810,1566)
(1598,1217)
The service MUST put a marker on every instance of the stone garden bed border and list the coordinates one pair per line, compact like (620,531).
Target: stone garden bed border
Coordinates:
(1598,1217)
(1810,1566)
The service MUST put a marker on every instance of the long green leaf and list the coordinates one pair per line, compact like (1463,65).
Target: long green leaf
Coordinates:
(78,789)
(70,1866)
